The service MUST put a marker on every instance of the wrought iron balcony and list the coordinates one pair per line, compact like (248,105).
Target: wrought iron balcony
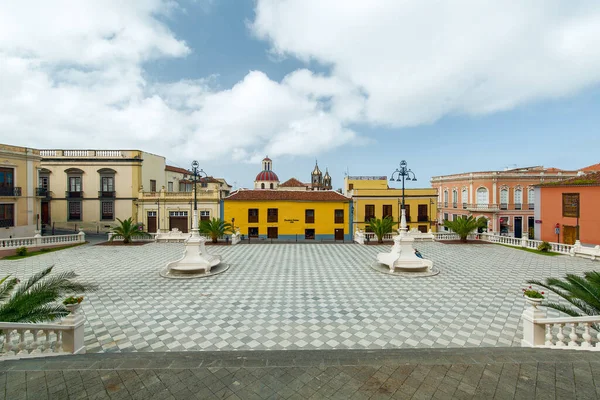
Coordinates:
(106,194)
(43,192)
(518,206)
(7,223)
(454,205)
(73,195)
(531,206)
(10,191)
(483,207)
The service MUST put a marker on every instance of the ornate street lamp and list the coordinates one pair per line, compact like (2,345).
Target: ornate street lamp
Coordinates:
(403,174)
(202,174)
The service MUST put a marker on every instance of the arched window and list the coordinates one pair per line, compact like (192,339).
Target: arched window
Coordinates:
(445,198)
(518,199)
(465,197)
(504,199)
(531,198)
(271,186)
(482,196)
(454,198)
(262,185)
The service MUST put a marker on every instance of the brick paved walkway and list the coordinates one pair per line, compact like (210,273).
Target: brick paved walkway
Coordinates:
(485,373)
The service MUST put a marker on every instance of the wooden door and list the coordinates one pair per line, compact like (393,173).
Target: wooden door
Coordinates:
(422,216)
(151,228)
(569,234)
(339,234)
(45,212)
(180,223)
(518,228)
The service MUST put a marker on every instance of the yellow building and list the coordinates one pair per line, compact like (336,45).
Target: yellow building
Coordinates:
(19,200)
(90,189)
(290,215)
(172,207)
(373,198)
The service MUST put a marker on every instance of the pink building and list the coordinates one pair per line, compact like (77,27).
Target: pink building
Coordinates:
(506,198)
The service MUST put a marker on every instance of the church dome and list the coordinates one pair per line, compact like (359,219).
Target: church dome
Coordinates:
(268,176)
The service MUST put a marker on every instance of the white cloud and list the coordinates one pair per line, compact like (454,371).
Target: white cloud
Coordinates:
(417,61)
(73,76)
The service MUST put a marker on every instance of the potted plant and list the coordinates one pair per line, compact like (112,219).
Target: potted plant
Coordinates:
(72,303)
(533,296)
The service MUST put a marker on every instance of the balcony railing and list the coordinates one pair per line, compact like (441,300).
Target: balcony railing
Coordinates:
(339,220)
(454,205)
(422,218)
(107,195)
(7,223)
(10,191)
(531,206)
(504,206)
(518,206)
(43,192)
(445,204)
(464,206)
(483,207)
(73,195)
(272,218)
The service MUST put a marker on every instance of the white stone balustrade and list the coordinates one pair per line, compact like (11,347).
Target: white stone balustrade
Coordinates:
(42,241)
(592,253)
(573,333)
(371,236)
(23,340)
(516,242)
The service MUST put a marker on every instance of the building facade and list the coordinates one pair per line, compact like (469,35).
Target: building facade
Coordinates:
(373,198)
(90,189)
(290,214)
(20,196)
(568,210)
(506,198)
(172,206)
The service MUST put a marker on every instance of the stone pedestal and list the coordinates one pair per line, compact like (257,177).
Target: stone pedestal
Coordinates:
(406,261)
(195,259)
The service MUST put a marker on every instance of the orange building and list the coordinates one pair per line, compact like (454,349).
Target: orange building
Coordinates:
(505,198)
(569,210)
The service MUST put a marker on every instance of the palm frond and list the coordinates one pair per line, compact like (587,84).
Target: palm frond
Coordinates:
(7,287)
(23,287)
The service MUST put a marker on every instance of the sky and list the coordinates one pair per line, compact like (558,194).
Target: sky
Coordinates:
(358,86)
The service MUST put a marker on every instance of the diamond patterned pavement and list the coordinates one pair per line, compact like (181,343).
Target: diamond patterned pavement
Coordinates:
(301,296)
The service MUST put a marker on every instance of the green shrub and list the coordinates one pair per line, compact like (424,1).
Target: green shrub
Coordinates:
(22,251)
(45,250)
(544,246)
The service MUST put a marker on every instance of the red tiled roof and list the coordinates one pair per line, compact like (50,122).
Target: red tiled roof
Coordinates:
(595,167)
(589,179)
(293,182)
(266,194)
(208,179)
(177,169)
(267,176)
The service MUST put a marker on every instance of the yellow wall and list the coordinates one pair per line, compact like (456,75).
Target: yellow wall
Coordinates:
(132,169)
(376,192)
(25,163)
(324,224)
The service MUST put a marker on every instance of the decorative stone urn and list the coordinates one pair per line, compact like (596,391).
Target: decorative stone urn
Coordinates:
(533,302)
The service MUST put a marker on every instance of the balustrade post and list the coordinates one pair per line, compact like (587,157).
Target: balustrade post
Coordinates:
(73,338)
(81,234)
(524,239)
(533,334)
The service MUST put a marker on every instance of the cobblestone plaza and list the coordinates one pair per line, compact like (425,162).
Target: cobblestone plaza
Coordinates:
(301,296)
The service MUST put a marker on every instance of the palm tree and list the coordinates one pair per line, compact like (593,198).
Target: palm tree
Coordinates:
(37,299)
(582,292)
(216,228)
(381,226)
(463,226)
(128,230)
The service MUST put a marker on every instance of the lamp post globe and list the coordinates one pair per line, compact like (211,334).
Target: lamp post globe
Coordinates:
(401,174)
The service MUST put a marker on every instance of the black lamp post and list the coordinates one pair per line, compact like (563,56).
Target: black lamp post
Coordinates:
(403,174)
(196,173)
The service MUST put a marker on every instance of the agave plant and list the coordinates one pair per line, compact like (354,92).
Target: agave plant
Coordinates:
(463,226)
(215,228)
(583,293)
(39,298)
(380,227)
(128,230)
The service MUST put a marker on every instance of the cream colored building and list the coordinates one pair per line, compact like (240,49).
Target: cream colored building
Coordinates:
(172,206)
(90,189)
(19,202)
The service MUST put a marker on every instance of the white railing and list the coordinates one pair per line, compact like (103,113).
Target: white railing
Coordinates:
(48,153)
(508,240)
(119,238)
(75,153)
(23,340)
(39,240)
(592,253)
(109,153)
(578,333)
(372,236)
